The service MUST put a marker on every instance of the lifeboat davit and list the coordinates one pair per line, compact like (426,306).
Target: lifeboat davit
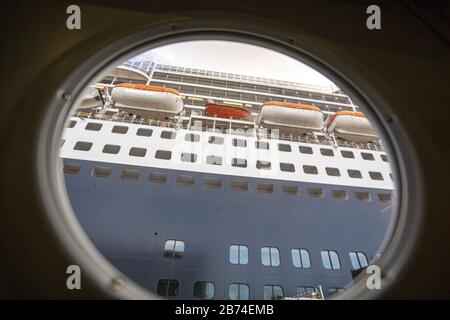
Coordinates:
(147,101)
(222,110)
(290,117)
(91,99)
(351,125)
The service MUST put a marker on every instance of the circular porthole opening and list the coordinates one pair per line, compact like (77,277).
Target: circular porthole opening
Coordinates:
(212,169)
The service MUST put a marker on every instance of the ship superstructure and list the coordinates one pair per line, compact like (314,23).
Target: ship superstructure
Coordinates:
(202,184)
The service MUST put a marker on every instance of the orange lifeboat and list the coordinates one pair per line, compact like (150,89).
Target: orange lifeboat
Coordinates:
(221,110)
(350,125)
(290,117)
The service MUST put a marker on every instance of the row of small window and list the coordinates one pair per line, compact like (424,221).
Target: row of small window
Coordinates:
(235,162)
(213,183)
(236,291)
(193,137)
(270,256)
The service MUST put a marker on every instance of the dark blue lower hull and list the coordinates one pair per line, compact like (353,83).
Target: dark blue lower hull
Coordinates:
(129,222)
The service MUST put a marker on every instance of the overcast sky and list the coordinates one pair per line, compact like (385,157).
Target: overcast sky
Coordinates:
(234,57)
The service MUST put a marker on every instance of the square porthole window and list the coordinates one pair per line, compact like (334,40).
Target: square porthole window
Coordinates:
(326,152)
(167,287)
(204,289)
(119,129)
(83,146)
(384,158)
(144,132)
(305,150)
(111,148)
(284,147)
(310,169)
(71,124)
(163,154)
(137,152)
(93,126)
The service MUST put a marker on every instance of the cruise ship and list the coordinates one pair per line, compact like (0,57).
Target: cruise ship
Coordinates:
(199,184)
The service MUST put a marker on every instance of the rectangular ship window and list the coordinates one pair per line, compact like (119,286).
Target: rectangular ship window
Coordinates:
(262,145)
(71,168)
(83,146)
(367,156)
(264,187)
(185,180)
(384,158)
(305,150)
(157,177)
(354,174)
(93,126)
(188,157)
(144,132)
(168,134)
(326,152)
(163,154)
(375,175)
(129,174)
(333,172)
(137,152)
(265,165)
(339,194)
(310,169)
(385,197)
(212,183)
(284,147)
(237,162)
(287,167)
(216,160)
(215,140)
(315,192)
(101,172)
(239,185)
(119,129)
(72,124)
(239,142)
(363,196)
(347,154)
(192,137)
(111,148)
(290,190)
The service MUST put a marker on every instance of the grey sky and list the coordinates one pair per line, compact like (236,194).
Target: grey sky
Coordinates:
(235,57)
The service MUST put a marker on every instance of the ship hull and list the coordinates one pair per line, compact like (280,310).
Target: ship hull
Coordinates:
(130,220)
